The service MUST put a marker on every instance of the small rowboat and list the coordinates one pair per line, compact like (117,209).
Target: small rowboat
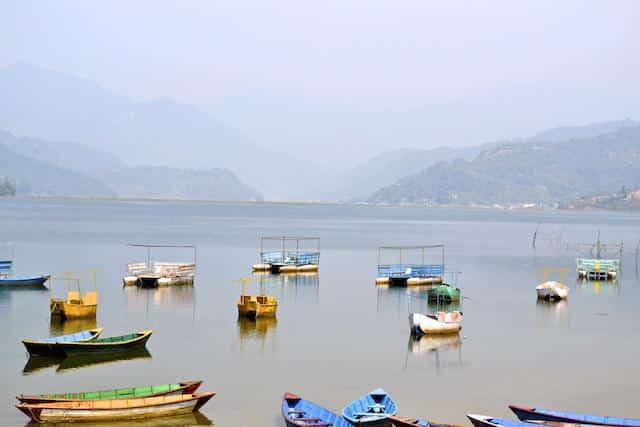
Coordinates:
(439,324)
(372,408)
(24,281)
(552,290)
(115,409)
(298,412)
(187,387)
(546,415)
(414,422)
(109,344)
(45,346)
(486,421)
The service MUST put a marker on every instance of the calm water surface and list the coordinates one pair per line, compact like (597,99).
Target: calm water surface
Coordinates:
(336,335)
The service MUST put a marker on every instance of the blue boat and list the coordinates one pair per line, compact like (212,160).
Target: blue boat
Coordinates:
(396,421)
(372,408)
(47,346)
(546,415)
(9,280)
(487,421)
(298,412)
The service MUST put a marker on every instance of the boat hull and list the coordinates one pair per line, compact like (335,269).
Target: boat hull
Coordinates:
(41,348)
(100,347)
(372,409)
(298,412)
(426,325)
(552,291)
(544,415)
(24,282)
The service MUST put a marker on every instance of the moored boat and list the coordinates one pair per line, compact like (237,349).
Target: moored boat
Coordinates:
(7,279)
(76,305)
(443,293)
(109,344)
(298,412)
(552,290)
(256,306)
(372,408)
(186,387)
(397,421)
(115,409)
(440,323)
(45,346)
(487,421)
(546,415)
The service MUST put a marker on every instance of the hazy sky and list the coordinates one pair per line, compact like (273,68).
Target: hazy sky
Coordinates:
(347,79)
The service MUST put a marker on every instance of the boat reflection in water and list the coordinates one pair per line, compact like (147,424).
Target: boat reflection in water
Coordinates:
(57,326)
(191,419)
(65,364)
(260,331)
(444,350)
(597,287)
(301,287)
(171,296)
(552,313)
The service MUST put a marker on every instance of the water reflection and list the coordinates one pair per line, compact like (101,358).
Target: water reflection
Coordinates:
(174,296)
(296,288)
(596,287)
(444,351)
(260,331)
(403,301)
(552,313)
(58,326)
(64,364)
(192,419)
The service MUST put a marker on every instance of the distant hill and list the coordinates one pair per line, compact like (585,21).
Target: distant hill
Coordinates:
(527,172)
(161,132)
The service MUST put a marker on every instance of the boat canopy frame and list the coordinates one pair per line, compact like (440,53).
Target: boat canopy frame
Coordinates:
(286,256)
(409,270)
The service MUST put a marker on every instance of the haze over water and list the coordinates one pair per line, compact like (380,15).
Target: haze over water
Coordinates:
(336,336)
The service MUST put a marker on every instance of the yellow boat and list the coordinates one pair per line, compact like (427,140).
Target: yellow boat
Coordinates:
(254,306)
(76,305)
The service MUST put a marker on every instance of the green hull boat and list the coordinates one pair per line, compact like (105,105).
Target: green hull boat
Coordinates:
(443,293)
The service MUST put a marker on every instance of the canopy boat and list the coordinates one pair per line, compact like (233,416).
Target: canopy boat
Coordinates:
(255,306)
(443,293)
(552,290)
(109,344)
(289,259)
(546,415)
(45,346)
(9,280)
(602,261)
(407,270)
(372,408)
(440,323)
(187,387)
(298,412)
(115,409)
(397,421)
(486,421)
(76,305)
(152,274)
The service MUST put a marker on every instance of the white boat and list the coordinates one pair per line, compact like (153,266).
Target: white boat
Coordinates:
(438,324)
(552,290)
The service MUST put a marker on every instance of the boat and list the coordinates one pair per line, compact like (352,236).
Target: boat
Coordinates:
(372,408)
(538,415)
(186,387)
(256,306)
(76,305)
(298,412)
(600,263)
(406,273)
(397,421)
(109,344)
(114,409)
(443,293)
(552,290)
(45,346)
(153,274)
(7,279)
(288,259)
(439,323)
(487,421)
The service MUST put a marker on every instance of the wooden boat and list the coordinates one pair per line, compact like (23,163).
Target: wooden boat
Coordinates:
(7,279)
(298,412)
(440,323)
(372,408)
(186,387)
(552,290)
(486,421)
(76,305)
(257,306)
(546,416)
(115,409)
(397,421)
(109,344)
(46,345)
(444,293)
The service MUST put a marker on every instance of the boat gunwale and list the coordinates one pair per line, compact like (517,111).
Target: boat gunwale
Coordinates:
(93,344)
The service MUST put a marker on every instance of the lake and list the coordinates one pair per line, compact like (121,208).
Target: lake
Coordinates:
(337,335)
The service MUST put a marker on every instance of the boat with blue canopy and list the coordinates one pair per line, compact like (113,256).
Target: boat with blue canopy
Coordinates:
(44,346)
(372,408)
(408,266)
(294,255)
(298,412)
(546,415)
(8,279)
(487,421)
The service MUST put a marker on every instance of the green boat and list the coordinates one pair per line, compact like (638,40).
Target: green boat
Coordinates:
(443,293)
(187,387)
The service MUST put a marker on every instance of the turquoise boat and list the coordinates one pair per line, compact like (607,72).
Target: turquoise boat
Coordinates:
(371,409)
